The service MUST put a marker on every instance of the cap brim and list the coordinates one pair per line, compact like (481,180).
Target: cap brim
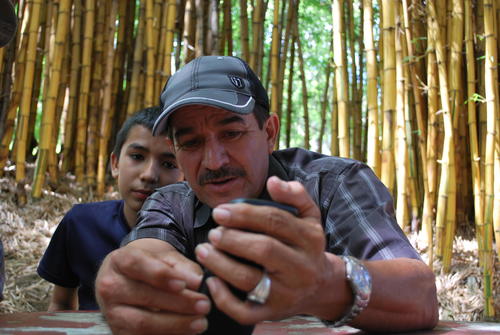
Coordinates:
(8,22)
(228,100)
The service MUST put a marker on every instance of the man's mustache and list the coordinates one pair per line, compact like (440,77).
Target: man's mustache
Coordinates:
(224,172)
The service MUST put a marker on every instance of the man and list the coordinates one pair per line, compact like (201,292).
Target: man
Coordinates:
(140,163)
(8,25)
(216,113)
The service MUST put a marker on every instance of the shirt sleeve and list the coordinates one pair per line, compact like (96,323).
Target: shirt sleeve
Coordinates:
(161,220)
(360,218)
(55,266)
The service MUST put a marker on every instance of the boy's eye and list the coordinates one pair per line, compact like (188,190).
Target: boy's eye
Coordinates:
(137,157)
(169,165)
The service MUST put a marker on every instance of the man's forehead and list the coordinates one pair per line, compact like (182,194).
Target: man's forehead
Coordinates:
(186,115)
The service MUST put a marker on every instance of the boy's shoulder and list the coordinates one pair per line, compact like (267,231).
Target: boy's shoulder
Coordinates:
(98,209)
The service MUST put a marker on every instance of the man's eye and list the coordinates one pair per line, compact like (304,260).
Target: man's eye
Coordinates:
(190,144)
(232,134)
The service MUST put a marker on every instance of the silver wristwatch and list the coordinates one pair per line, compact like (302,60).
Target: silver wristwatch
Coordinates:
(361,284)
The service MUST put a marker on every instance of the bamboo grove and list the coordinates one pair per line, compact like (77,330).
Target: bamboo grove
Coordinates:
(408,86)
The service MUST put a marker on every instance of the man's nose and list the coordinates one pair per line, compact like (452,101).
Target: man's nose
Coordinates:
(215,155)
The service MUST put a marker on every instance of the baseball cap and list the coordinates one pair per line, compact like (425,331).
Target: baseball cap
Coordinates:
(220,81)
(8,22)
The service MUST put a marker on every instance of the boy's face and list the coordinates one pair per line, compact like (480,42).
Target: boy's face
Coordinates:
(146,162)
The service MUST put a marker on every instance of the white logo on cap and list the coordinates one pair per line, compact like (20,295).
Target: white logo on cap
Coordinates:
(237,82)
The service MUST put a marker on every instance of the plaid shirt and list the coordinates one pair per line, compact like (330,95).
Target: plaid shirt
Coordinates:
(356,209)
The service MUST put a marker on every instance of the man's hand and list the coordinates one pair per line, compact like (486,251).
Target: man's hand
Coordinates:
(305,279)
(290,248)
(147,287)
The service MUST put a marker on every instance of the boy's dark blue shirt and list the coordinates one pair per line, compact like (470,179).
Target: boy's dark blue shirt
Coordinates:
(86,234)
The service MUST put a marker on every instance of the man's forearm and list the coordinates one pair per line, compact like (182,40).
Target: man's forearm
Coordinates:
(403,296)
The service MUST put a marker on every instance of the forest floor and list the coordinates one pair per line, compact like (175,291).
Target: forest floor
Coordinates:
(26,231)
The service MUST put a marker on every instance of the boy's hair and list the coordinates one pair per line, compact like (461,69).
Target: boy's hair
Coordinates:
(145,117)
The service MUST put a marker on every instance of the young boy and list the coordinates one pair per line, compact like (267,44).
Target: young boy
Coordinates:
(140,162)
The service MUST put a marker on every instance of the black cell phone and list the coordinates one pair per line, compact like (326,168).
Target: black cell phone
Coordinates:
(218,322)
(262,202)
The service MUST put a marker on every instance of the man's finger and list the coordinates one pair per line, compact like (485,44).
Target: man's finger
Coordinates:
(126,320)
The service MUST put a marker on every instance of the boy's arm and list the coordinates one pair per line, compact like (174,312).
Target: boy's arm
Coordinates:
(63,298)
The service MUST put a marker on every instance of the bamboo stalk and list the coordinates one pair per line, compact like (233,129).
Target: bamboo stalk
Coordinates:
(324,102)
(24,113)
(289,109)
(355,112)
(19,70)
(70,123)
(445,216)
(150,53)
(373,144)
(133,101)
(49,110)
(473,131)
(256,26)
(244,38)
(402,153)
(292,9)
(339,56)
(169,45)
(304,92)
(107,108)
(275,46)
(491,88)
(389,93)
(83,99)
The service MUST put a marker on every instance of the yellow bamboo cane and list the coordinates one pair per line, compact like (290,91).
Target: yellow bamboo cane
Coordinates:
(402,157)
(389,93)
(169,45)
(83,99)
(446,202)
(19,70)
(339,57)
(304,92)
(491,88)
(150,54)
(245,53)
(275,87)
(256,24)
(373,144)
(107,109)
(49,110)
(473,131)
(133,101)
(24,112)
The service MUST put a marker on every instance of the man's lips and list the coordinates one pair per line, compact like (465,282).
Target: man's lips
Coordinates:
(219,181)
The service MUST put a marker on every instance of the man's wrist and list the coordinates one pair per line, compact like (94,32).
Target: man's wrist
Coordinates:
(360,282)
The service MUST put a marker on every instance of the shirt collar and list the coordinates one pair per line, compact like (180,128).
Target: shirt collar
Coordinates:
(203,212)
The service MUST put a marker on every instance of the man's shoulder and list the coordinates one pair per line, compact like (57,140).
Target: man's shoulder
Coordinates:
(179,189)
(311,162)
(170,195)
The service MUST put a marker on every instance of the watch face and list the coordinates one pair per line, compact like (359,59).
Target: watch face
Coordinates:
(360,278)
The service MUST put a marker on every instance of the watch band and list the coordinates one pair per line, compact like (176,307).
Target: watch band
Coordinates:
(360,281)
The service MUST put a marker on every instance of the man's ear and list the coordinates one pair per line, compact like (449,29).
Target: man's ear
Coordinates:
(114,165)
(272,127)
